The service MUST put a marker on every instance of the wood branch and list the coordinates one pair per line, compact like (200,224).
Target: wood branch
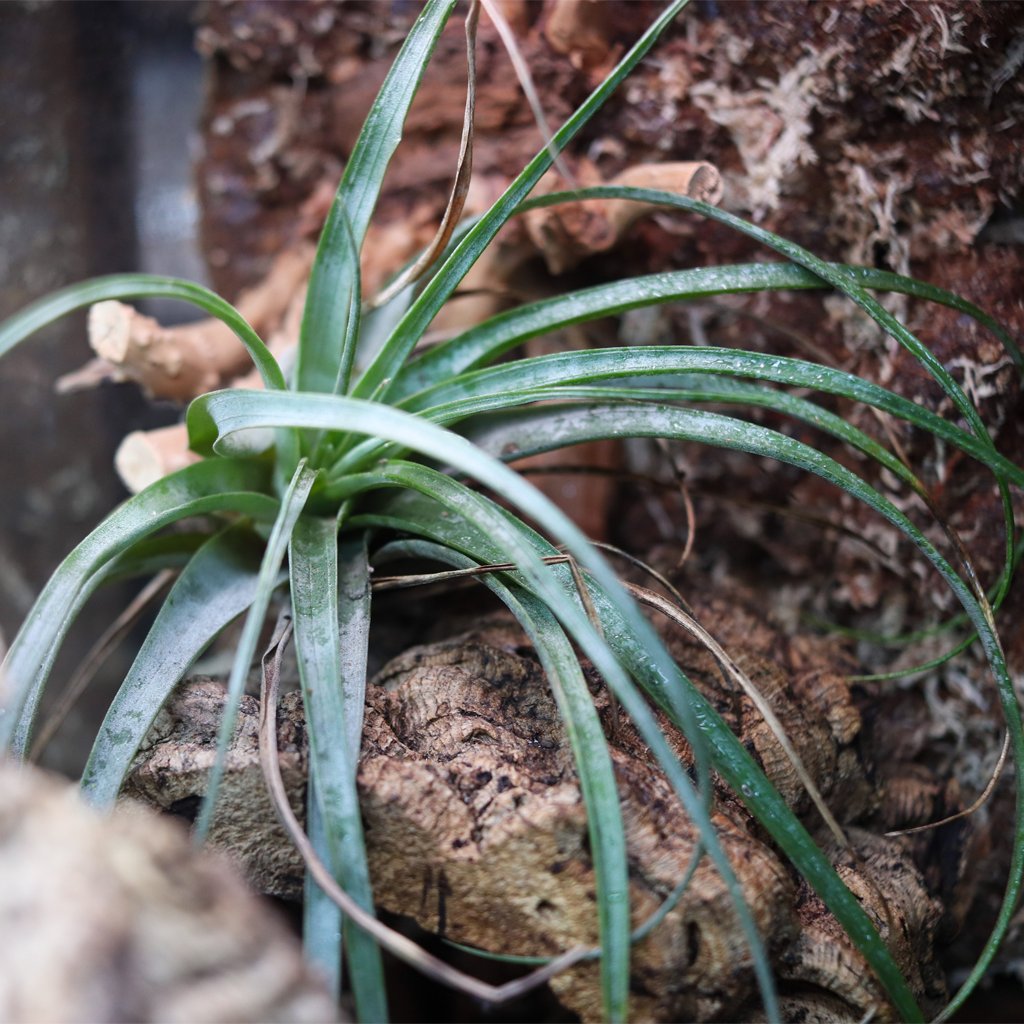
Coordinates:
(146,456)
(569,233)
(179,363)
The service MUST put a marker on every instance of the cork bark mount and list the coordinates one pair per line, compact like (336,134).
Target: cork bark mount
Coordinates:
(476,828)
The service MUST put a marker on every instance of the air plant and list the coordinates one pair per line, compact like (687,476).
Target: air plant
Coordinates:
(356,457)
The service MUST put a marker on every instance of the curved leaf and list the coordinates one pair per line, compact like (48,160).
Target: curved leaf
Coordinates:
(833,274)
(221,485)
(140,286)
(217,585)
(850,286)
(484,343)
(655,367)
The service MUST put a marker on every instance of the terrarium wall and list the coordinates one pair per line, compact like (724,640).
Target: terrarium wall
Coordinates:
(100,103)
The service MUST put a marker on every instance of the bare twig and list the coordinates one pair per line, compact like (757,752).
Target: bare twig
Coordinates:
(570,232)
(579,29)
(145,456)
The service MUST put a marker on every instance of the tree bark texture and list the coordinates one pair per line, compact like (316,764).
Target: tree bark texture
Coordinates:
(476,826)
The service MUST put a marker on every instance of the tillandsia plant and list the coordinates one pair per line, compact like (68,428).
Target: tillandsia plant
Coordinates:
(362,454)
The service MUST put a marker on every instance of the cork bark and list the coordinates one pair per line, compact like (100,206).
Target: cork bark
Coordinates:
(476,827)
(106,919)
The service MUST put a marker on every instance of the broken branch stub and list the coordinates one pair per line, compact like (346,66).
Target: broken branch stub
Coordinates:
(145,456)
(569,233)
(180,363)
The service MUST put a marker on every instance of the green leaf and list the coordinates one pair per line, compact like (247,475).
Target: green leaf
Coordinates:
(484,343)
(331,653)
(324,356)
(292,503)
(593,765)
(377,378)
(216,587)
(221,485)
(847,283)
(321,917)
(727,392)
(655,367)
(140,286)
